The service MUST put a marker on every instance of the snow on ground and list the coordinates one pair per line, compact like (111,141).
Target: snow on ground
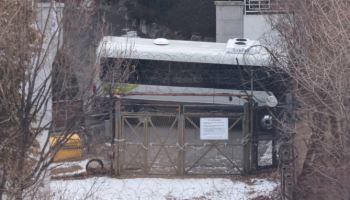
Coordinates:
(68,168)
(104,188)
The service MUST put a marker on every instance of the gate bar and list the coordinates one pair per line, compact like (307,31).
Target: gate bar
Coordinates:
(118,129)
(181,142)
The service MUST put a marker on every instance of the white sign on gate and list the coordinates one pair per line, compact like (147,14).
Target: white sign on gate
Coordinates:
(214,129)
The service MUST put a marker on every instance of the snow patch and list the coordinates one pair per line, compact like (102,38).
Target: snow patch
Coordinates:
(63,165)
(104,188)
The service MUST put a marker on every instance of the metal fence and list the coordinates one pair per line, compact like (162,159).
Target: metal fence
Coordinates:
(160,139)
(258,5)
(263,6)
(212,157)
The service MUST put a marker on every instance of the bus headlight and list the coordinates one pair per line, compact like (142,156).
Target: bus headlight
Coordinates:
(266,122)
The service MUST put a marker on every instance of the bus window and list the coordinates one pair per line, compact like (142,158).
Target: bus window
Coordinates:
(184,74)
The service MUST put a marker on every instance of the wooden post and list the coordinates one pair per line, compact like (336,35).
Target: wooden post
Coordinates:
(181,142)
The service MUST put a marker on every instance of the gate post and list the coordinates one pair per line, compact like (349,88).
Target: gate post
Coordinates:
(145,142)
(249,159)
(117,138)
(181,141)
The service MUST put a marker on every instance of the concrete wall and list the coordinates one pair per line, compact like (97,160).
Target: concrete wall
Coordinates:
(232,22)
(229,20)
(257,27)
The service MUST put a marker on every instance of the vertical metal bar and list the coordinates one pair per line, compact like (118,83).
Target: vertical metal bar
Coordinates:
(122,146)
(245,131)
(247,139)
(274,153)
(181,142)
(117,137)
(146,142)
(254,138)
(287,153)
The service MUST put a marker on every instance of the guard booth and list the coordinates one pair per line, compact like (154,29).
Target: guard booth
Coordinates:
(187,108)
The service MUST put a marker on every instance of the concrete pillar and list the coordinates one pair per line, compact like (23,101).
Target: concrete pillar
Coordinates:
(229,20)
(49,16)
(48,20)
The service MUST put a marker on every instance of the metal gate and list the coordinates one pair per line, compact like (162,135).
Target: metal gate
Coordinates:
(165,140)
(213,156)
(149,136)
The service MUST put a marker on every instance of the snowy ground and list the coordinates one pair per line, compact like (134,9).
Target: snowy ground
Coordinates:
(104,188)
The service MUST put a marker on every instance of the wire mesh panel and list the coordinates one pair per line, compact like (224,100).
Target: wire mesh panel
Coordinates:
(162,152)
(149,134)
(134,146)
(167,140)
(217,157)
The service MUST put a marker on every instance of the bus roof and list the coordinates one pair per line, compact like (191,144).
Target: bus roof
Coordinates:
(180,51)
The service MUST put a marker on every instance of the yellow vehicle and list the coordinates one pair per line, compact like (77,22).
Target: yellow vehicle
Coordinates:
(71,150)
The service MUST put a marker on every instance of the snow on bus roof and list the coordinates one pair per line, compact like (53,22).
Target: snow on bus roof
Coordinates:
(180,51)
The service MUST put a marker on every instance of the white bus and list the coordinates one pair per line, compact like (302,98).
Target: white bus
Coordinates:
(146,68)
(200,80)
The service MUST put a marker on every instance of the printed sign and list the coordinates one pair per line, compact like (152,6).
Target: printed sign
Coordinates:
(214,129)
